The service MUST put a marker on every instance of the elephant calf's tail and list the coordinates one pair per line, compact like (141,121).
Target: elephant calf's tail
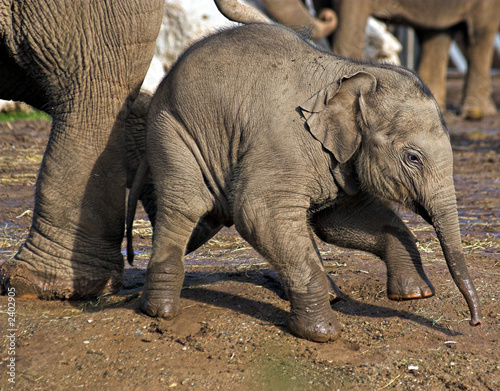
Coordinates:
(133,198)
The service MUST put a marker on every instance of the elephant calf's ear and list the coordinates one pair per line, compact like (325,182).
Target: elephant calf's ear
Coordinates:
(331,114)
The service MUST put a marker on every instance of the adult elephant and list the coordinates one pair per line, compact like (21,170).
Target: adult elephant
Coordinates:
(435,22)
(83,63)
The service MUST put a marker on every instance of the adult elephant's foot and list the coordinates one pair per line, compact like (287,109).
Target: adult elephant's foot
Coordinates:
(473,109)
(160,304)
(45,284)
(312,318)
(49,271)
(403,287)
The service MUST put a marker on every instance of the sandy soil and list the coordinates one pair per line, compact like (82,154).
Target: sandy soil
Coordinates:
(232,333)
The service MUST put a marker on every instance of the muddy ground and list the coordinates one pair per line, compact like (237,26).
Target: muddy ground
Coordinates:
(232,333)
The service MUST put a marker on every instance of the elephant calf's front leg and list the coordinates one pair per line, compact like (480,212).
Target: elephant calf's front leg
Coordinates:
(285,242)
(366,223)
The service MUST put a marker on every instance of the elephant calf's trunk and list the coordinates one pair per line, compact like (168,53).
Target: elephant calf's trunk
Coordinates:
(464,283)
(448,232)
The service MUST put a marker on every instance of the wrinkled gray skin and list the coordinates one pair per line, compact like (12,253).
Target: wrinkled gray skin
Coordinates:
(83,63)
(293,13)
(435,23)
(257,128)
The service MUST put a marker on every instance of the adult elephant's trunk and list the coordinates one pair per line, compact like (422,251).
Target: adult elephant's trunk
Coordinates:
(237,12)
(291,13)
(442,213)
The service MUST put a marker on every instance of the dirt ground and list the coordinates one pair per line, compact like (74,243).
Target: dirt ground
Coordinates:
(232,332)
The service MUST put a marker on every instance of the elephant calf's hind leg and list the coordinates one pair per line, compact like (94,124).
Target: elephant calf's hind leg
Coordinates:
(367,224)
(165,273)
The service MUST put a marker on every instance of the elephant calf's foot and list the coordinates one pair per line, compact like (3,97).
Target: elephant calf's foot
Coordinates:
(322,328)
(409,288)
(311,317)
(158,304)
(55,284)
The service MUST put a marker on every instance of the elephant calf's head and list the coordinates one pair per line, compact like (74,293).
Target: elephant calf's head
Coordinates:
(388,124)
(385,121)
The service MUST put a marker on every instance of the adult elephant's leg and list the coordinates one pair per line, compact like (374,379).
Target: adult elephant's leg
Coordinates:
(365,223)
(433,62)
(477,100)
(282,237)
(91,73)
(73,247)
(349,38)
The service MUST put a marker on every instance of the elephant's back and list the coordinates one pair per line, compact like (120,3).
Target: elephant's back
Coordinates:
(245,44)
(239,59)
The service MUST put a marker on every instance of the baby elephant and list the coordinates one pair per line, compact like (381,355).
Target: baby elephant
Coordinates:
(256,127)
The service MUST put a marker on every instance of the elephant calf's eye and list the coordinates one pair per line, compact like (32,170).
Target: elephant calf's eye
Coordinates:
(414,159)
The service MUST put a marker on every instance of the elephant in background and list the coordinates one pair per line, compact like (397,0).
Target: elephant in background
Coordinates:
(83,63)
(293,13)
(435,23)
(305,142)
(186,22)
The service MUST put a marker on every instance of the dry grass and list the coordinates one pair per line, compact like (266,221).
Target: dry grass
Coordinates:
(142,228)
(11,238)
(25,160)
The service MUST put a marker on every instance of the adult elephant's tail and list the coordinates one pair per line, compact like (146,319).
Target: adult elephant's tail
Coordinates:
(133,197)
